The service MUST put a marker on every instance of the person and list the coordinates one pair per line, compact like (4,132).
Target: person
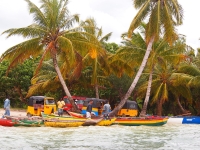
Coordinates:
(6,107)
(106,109)
(60,104)
(89,110)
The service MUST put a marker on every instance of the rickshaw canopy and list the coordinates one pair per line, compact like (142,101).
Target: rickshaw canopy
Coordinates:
(37,100)
(96,102)
(130,105)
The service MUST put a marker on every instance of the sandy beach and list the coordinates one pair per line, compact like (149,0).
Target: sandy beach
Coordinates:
(14,112)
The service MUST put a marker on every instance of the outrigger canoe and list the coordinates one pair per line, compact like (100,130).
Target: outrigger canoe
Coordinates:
(132,121)
(137,121)
(97,121)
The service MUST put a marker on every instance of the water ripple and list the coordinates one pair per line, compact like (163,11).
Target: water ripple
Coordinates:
(168,137)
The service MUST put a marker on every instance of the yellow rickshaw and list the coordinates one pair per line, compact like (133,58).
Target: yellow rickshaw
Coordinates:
(130,109)
(38,104)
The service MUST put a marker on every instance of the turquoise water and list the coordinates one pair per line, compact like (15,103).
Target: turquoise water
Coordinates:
(169,137)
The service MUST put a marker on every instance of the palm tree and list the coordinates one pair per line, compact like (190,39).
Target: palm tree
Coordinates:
(97,56)
(163,17)
(52,34)
(162,51)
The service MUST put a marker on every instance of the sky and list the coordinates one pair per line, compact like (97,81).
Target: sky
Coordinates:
(112,15)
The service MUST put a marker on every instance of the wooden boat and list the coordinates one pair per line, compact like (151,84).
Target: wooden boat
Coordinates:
(29,123)
(26,121)
(63,123)
(137,121)
(54,116)
(76,115)
(102,121)
(6,122)
(46,117)
(99,121)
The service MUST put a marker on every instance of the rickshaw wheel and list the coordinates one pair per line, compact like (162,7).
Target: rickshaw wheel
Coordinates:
(123,115)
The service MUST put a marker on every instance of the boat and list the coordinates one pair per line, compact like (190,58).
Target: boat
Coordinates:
(106,122)
(54,116)
(132,121)
(26,121)
(63,123)
(29,123)
(184,120)
(76,115)
(6,122)
(99,121)
(138,121)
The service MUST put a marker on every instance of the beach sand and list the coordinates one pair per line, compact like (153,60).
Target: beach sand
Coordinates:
(14,112)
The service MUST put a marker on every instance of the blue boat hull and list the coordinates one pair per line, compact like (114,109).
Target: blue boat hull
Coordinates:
(184,120)
(191,120)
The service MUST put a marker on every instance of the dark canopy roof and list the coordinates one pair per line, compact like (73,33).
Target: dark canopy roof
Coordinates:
(96,102)
(37,98)
(130,105)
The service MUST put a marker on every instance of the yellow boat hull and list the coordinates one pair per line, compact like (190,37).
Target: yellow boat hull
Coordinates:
(63,124)
(106,122)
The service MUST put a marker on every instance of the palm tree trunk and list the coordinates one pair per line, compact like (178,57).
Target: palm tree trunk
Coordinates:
(179,104)
(159,107)
(19,91)
(130,90)
(97,91)
(75,108)
(95,78)
(146,101)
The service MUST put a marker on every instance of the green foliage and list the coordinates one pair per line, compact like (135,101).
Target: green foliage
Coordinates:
(111,47)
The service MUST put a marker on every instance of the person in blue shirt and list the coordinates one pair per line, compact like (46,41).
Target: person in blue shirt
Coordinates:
(6,107)
(106,109)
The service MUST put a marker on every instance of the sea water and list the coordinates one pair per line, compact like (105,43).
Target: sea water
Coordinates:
(115,137)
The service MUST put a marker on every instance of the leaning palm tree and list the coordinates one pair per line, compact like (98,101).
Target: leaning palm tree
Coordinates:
(163,15)
(52,34)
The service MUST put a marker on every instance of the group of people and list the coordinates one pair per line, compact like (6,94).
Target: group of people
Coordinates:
(89,113)
(61,104)
(105,112)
